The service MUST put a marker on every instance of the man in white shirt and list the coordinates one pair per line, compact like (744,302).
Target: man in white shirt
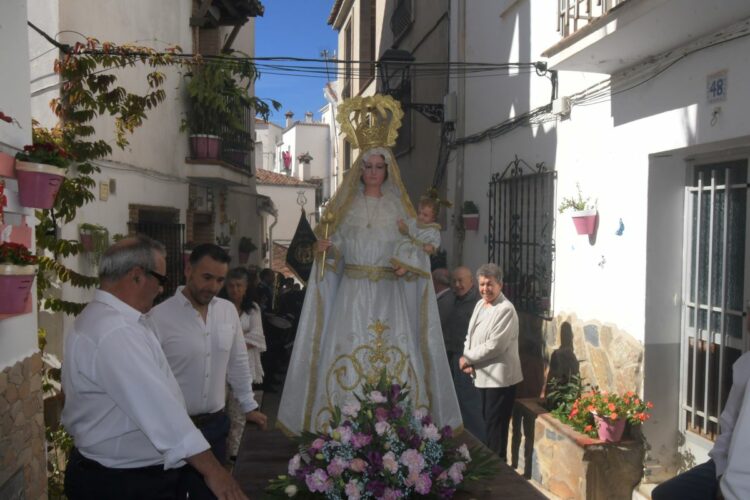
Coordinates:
(202,339)
(730,463)
(123,406)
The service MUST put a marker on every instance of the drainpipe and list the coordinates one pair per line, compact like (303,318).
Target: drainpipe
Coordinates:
(458,242)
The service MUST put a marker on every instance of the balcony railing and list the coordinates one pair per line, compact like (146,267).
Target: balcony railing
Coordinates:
(235,147)
(573,15)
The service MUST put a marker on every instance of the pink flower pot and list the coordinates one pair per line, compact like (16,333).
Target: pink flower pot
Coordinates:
(471,222)
(38,184)
(608,430)
(15,288)
(204,146)
(243,256)
(585,221)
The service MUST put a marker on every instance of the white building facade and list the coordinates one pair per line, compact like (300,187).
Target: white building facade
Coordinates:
(649,118)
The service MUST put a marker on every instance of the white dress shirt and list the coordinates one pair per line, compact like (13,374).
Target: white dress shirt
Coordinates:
(733,424)
(205,355)
(123,406)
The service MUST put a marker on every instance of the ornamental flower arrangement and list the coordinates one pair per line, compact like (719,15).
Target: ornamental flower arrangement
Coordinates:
(48,153)
(16,254)
(378,447)
(595,408)
(305,157)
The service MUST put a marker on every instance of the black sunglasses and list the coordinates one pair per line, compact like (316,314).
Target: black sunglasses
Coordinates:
(159,277)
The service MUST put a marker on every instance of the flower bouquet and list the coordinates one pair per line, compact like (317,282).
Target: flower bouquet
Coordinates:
(379,447)
(602,414)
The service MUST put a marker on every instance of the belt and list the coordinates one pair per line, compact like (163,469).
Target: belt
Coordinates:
(205,418)
(92,465)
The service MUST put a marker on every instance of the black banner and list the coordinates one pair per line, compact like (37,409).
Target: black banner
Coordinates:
(301,253)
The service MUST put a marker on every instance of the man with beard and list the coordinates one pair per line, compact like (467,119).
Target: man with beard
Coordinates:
(202,339)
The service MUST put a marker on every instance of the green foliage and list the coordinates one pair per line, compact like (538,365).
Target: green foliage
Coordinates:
(469,208)
(219,97)
(59,446)
(577,202)
(99,236)
(561,394)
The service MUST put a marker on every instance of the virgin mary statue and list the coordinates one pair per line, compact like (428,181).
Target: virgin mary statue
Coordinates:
(359,318)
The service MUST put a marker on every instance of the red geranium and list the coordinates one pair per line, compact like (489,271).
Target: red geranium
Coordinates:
(17,254)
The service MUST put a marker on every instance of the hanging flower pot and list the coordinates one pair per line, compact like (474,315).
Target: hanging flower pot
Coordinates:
(15,287)
(471,222)
(610,430)
(205,146)
(38,184)
(585,221)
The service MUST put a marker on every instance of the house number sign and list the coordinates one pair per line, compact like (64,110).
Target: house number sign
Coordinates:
(716,86)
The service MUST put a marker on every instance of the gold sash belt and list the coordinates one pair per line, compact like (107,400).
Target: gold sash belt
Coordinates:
(372,273)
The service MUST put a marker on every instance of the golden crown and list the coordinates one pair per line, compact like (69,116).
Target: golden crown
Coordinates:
(370,122)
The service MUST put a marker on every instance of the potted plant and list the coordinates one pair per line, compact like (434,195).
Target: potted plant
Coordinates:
(305,157)
(245,248)
(40,170)
(17,270)
(94,239)
(583,212)
(217,106)
(223,240)
(604,415)
(470,214)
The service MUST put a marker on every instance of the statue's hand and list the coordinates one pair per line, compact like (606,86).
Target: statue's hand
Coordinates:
(322,245)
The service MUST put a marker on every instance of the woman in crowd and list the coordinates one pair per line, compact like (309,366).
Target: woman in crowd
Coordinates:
(491,356)
(240,289)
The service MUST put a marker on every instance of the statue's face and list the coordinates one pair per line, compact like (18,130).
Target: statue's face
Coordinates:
(374,171)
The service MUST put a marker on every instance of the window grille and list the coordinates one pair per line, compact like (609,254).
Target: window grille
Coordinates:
(521,224)
(573,15)
(173,238)
(713,291)
(402,18)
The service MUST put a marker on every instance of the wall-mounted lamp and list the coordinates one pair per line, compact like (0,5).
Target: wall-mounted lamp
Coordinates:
(393,67)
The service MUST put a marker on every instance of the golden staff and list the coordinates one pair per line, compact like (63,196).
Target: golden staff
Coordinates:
(327,219)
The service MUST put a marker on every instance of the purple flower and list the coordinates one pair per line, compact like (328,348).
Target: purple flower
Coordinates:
(447,432)
(337,467)
(294,464)
(396,412)
(317,445)
(394,392)
(381,414)
(318,481)
(426,420)
(375,459)
(360,440)
(390,494)
(376,488)
(423,484)
(447,492)
(436,470)
(403,434)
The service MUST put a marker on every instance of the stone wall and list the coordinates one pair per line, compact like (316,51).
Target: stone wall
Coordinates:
(571,465)
(22,457)
(609,358)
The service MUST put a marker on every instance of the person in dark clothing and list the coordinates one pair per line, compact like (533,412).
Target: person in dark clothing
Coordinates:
(454,334)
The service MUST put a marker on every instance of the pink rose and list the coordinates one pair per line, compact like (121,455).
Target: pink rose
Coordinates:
(455,472)
(390,494)
(358,465)
(351,409)
(382,427)
(294,464)
(351,490)
(359,440)
(318,444)
(389,462)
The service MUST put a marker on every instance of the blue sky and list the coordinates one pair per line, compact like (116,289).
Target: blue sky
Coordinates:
(293,28)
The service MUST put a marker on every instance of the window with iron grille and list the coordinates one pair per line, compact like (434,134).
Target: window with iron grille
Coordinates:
(366,42)
(714,290)
(172,235)
(521,224)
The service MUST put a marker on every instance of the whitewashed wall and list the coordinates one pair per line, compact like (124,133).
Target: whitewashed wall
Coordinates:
(18,335)
(285,200)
